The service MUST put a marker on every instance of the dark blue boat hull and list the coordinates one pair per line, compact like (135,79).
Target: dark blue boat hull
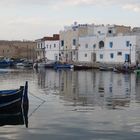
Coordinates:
(11,101)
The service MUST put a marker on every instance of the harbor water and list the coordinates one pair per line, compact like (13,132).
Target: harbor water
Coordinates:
(76,105)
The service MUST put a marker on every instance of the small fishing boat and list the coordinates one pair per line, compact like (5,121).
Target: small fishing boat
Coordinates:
(4,64)
(124,70)
(47,64)
(17,118)
(105,68)
(12,101)
(58,65)
(137,71)
(81,67)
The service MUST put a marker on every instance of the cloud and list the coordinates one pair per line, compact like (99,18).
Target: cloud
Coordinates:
(67,2)
(132,7)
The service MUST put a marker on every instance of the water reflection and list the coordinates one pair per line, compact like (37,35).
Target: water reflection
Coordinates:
(16,118)
(91,88)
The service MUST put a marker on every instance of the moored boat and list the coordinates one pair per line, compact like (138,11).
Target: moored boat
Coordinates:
(81,67)
(12,101)
(124,70)
(4,64)
(59,65)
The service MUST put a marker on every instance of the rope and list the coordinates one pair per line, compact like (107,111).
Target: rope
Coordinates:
(43,101)
(37,97)
(36,109)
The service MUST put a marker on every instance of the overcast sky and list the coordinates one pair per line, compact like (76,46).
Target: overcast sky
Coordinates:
(33,19)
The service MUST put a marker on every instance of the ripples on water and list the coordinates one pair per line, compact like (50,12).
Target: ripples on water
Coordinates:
(73,103)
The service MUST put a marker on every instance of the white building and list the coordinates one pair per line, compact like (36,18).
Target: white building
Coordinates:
(114,49)
(48,48)
(71,36)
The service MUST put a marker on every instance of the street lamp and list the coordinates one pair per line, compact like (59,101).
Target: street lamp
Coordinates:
(130,45)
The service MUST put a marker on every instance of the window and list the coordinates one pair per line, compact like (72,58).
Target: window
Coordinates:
(86,46)
(101,44)
(119,53)
(85,54)
(50,46)
(62,42)
(127,43)
(101,56)
(94,46)
(111,55)
(54,45)
(74,42)
(127,57)
(110,44)
(110,31)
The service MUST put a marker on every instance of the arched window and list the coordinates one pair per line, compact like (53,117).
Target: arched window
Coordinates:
(101,44)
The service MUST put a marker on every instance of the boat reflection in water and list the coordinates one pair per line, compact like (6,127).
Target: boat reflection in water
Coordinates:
(16,118)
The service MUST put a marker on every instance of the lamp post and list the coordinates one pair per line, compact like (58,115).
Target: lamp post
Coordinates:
(130,45)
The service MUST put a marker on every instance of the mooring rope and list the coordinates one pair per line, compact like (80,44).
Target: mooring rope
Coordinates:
(37,97)
(43,101)
(36,109)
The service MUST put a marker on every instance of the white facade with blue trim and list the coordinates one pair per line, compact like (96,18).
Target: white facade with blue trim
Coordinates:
(114,49)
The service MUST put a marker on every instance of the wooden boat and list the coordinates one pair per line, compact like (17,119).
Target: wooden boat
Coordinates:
(47,64)
(24,65)
(137,71)
(105,68)
(124,70)
(58,65)
(12,101)
(4,64)
(81,67)
(17,118)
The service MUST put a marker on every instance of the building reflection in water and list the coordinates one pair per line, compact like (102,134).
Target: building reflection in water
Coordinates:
(138,89)
(90,88)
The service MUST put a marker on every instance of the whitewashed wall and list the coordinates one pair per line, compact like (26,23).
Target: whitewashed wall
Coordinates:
(119,45)
(52,50)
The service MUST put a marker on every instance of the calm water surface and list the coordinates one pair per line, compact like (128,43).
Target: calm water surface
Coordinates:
(76,105)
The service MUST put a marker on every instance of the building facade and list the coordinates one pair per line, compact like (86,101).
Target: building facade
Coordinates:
(71,39)
(115,49)
(48,48)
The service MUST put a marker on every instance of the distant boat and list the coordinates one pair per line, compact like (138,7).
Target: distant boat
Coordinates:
(24,65)
(59,65)
(81,67)
(124,70)
(47,64)
(105,68)
(137,71)
(4,63)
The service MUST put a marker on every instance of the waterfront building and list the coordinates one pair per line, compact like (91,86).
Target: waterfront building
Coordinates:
(71,39)
(48,48)
(109,49)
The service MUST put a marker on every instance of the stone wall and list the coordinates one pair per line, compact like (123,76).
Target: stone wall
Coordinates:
(18,49)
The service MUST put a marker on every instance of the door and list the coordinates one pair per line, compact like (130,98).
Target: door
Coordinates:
(127,57)
(93,57)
